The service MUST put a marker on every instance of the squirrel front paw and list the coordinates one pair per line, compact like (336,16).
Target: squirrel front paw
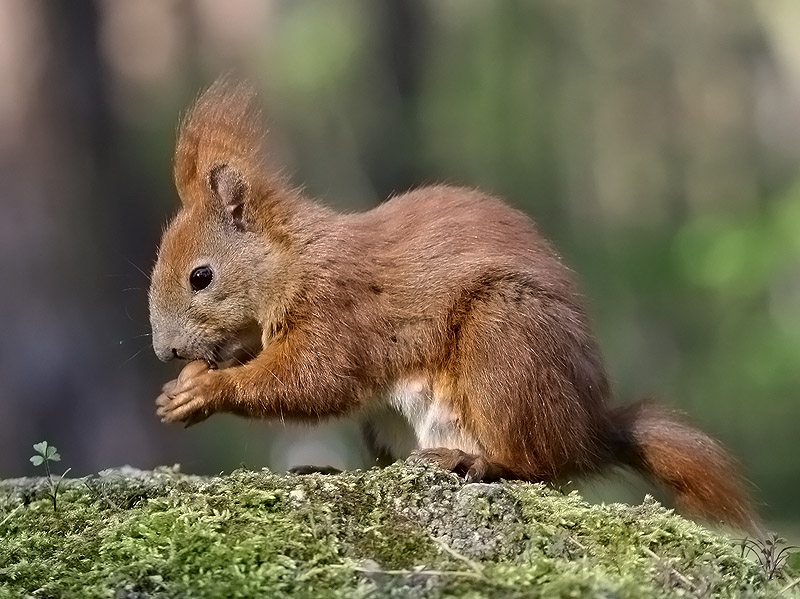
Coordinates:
(192,397)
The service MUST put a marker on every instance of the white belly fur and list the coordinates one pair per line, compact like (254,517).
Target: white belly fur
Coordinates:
(407,416)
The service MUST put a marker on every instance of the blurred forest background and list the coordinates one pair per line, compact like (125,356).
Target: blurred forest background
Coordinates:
(656,143)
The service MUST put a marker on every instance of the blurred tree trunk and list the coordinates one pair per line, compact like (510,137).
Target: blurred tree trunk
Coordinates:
(402,32)
(64,169)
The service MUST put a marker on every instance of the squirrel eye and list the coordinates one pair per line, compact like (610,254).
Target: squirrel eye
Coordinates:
(201,278)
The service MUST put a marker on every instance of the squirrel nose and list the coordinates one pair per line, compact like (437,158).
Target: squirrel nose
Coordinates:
(165,351)
(167,344)
(165,354)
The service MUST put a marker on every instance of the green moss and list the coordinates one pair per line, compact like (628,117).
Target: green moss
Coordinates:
(403,531)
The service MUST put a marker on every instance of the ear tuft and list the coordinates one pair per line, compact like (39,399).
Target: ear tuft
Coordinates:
(223,127)
(230,188)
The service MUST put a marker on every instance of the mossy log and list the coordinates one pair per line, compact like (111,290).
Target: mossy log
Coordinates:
(401,531)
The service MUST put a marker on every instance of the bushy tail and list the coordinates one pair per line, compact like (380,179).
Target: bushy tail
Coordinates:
(701,474)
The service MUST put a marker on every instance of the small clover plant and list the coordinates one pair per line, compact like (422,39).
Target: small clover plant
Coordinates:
(46,453)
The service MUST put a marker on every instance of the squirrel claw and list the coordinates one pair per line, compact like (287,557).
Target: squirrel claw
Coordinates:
(190,411)
(188,398)
(474,468)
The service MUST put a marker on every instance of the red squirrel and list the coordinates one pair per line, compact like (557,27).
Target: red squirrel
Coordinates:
(440,319)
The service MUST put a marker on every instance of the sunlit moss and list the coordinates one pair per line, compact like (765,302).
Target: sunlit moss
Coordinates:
(403,531)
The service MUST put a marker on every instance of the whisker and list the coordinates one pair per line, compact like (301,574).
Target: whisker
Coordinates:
(140,336)
(276,377)
(128,314)
(250,353)
(132,263)
(134,355)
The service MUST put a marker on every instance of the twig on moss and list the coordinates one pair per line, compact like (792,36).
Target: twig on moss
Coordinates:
(687,582)
(472,564)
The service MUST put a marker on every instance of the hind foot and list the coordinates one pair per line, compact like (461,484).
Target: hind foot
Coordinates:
(474,468)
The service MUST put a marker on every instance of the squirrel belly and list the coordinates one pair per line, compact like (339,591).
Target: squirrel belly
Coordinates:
(441,319)
(409,417)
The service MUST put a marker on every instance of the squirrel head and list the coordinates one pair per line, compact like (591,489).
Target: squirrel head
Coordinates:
(224,251)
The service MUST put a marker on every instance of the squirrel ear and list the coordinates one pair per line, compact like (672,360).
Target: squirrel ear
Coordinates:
(230,190)
(219,140)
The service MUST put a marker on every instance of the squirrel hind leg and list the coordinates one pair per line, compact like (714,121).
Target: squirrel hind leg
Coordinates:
(473,467)
(379,453)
